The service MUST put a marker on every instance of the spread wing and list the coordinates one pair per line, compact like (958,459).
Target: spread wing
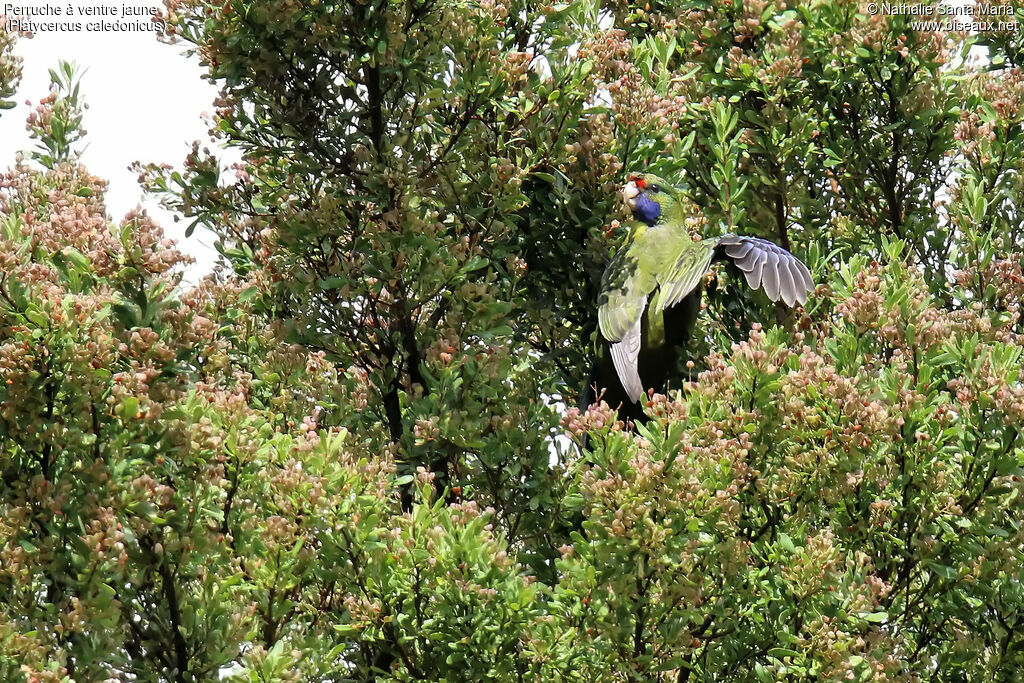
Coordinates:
(621,304)
(764,264)
(768,266)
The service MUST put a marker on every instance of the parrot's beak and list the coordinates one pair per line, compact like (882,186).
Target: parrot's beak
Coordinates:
(629,194)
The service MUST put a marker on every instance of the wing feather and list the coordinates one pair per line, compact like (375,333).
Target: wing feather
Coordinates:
(737,251)
(621,305)
(625,354)
(685,274)
(622,298)
(753,275)
(805,277)
(770,276)
(787,282)
(768,266)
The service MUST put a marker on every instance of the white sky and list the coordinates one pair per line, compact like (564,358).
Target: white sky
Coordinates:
(145,103)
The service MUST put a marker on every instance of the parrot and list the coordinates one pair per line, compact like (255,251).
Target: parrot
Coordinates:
(650,291)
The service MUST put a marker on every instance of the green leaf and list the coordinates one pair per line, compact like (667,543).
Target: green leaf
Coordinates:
(875,617)
(129,408)
(786,542)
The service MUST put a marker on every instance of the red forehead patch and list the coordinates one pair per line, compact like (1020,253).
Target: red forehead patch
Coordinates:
(640,182)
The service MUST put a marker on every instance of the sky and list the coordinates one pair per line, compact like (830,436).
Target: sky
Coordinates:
(145,99)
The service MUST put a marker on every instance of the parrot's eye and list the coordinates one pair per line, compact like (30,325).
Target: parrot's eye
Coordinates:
(654,188)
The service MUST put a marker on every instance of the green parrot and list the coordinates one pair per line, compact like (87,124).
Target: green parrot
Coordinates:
(650,290)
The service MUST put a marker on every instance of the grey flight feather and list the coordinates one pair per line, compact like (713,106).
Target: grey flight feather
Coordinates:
(770,276)
(738,251)
(770,267)
(756,272)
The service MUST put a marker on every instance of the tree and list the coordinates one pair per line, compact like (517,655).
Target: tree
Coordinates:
(344,459)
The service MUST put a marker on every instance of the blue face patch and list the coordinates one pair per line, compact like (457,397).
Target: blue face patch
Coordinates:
(647,209)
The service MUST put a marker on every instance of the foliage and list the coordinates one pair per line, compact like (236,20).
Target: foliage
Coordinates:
(828,507)
(350,457)
(10,66)
(57,120)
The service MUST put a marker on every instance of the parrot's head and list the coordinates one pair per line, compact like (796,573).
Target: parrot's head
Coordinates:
(649,197)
